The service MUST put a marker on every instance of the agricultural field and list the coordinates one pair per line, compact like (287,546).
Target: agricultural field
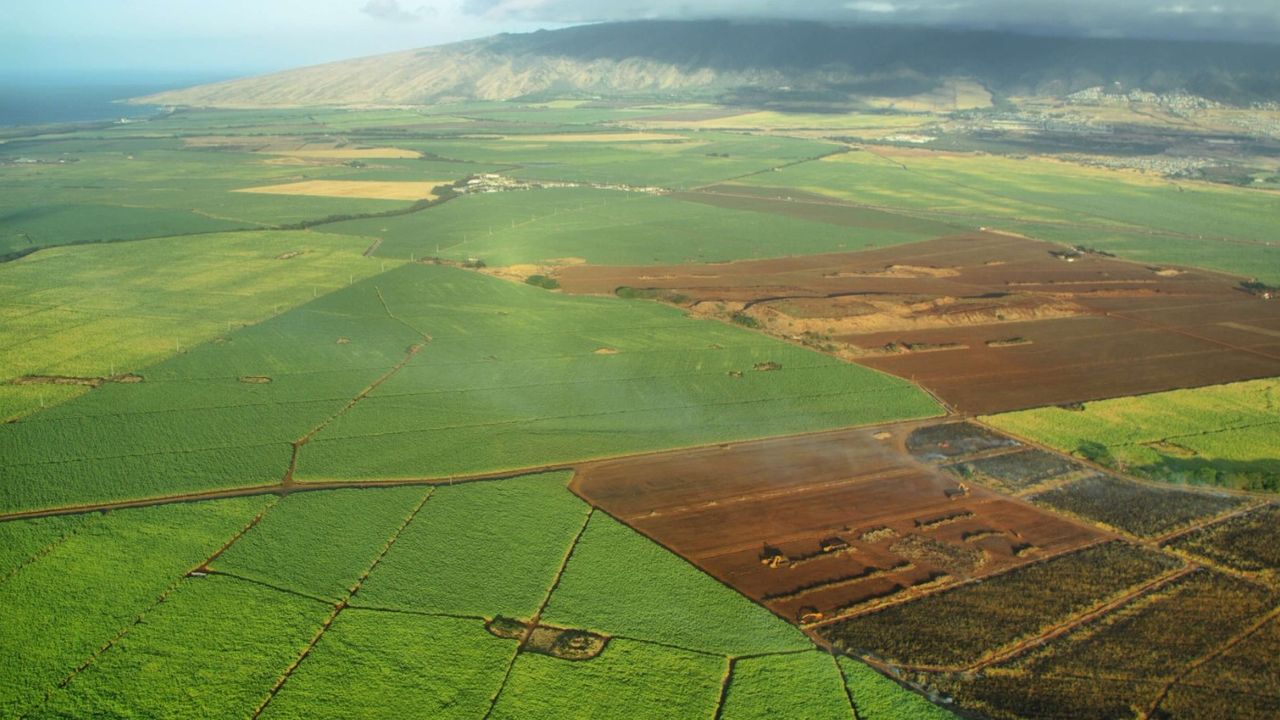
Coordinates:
(582,225)
(987,321)
(1027,194)
(1247,543)
(823,527)
(74,317)
(677,410)
(1138,509)
(986,618)
(1223,435)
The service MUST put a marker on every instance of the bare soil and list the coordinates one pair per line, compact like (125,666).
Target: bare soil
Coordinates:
(1023,328)
(817,525)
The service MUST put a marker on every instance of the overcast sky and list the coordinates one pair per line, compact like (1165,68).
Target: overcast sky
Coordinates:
(231,37)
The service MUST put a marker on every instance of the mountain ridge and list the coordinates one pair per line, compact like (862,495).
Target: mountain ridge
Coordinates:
(723,60)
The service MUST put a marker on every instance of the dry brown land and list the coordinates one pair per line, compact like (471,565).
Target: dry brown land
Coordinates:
(827,523)
(989,322)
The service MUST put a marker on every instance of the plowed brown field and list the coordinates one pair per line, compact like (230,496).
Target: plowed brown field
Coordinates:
(989,322)
(820,526)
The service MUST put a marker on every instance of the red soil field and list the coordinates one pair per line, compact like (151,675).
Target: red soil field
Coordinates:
(990,322)
(757,516)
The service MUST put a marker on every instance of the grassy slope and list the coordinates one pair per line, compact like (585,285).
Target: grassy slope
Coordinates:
(512,379)
(1231,431)
(604,227)
(89,311)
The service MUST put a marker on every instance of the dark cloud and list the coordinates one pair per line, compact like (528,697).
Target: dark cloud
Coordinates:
(1205,19)
(392,10)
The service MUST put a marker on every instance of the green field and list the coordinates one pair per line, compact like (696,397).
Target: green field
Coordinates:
(1135,216)
(486,386)
(114,309)
(608,227)
(772,687)
(94,190)
(492,549)
(413,636)
(76,595)
(408,428)
(1226,435)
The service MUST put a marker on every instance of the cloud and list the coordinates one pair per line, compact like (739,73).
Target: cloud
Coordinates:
(392,10)
(1211,19)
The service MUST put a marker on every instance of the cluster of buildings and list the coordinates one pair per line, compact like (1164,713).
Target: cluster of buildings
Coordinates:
(493,182)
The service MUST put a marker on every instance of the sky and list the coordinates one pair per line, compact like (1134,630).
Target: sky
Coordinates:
(225,38)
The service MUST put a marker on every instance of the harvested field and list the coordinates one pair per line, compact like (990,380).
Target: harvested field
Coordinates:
(984,618)
(1131,507)
(1022,327)
(949,440)
(1248,543)
(366,189)
(1017,471)
(821,526)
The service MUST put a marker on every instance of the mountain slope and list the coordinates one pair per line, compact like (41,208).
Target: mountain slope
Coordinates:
(724,59)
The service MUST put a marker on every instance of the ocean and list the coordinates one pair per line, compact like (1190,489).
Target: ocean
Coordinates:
(35,101)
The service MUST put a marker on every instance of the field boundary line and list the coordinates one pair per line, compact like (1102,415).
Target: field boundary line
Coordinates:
(341,605)
(537,615)
(725,681)
(164,595)
(893,601)
(1080,619)
(1103,469)
(1208,658)
(287,480)
(267,585)
(844,682)
(47,548)
(499,474)
(418,613)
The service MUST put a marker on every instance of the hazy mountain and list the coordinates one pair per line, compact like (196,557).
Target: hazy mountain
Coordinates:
(755,61)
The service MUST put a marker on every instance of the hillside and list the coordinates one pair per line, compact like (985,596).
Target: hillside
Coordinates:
(756,62)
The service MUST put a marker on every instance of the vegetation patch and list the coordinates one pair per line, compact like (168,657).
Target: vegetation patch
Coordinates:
(1225,434)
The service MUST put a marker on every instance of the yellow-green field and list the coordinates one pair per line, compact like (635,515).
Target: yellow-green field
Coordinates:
(1221,435)
(109,309)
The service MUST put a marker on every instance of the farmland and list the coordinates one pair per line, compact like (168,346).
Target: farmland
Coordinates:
(110,310)
(566,225)
(1033,193)
(679,411)
(1223,435)
(987,321)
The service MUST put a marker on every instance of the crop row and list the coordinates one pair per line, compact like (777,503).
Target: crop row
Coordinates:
(1135,508)
(960,626)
